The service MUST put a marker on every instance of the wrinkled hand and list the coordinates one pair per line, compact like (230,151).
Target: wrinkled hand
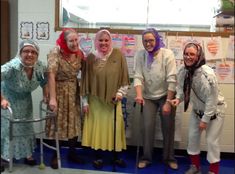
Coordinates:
(85,109)
(4,104)
(53,105)
(166,109)
(139,100)
(118,97)
(175,102)
(202,125)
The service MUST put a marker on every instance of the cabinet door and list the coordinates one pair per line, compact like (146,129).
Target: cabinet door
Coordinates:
(5,32)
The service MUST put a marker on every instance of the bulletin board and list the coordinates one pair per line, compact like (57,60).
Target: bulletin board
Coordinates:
(219,53)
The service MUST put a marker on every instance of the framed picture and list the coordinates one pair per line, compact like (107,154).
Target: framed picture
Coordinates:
(42,30)
(26,30)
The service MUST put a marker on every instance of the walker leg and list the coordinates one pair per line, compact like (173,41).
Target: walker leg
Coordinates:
(58,150)
(11,146)
(11,156)
(42,165)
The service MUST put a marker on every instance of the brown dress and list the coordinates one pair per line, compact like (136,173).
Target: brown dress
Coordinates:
(67,95)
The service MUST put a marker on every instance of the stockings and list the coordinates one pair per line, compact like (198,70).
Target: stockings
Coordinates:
(195,160)
(214,167)
(72,144)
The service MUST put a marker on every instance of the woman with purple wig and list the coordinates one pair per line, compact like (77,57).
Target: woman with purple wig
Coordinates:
(155,82)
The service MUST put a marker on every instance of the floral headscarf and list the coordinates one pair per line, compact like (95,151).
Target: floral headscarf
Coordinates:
(98,52)
(61,42)
(191,69)
(159,43)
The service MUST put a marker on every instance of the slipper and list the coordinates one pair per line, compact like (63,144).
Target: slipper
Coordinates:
(120,163)
(30,161)
(98,164)
(173,165)
(54,162)
(143,164)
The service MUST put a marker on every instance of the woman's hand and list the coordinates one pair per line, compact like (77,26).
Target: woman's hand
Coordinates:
(53,105)
(202,125)
(4,103)
(166,109)
(118,97)
(85,108)
(139,100)
(175,102)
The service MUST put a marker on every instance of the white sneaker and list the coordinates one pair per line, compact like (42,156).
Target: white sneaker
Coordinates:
(193,170)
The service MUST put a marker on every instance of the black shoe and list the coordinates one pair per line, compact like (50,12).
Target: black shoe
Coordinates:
(54,162)
(98,164)
(30,162)
(73,157)
(120,163)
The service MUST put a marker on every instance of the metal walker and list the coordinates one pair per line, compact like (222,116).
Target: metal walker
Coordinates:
(44,115)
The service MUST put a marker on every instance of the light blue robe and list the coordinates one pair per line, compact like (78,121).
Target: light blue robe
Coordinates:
(17,88)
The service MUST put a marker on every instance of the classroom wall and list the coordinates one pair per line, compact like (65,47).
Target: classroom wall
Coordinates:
(44,11)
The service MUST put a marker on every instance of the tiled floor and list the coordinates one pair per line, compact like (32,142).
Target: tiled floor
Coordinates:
(157,167)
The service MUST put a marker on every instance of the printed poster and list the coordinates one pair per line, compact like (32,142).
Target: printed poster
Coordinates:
(225,71)
(176,45)
(213,48)
(129,45)
(117,40)
(86,44)
(230,50)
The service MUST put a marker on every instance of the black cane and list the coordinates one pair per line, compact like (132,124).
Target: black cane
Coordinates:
(138,140)
(114,137)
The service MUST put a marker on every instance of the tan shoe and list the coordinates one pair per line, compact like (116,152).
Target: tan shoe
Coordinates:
(143,164)
(173,165)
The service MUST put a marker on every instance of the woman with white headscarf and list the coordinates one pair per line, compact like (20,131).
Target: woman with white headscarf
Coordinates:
(19,77)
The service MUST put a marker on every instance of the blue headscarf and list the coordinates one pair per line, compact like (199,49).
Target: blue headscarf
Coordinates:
(159,43)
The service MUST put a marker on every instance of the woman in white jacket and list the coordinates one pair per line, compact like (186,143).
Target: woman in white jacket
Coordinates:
(197,83)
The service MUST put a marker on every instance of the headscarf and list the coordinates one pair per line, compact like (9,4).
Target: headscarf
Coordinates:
(191,69)
(98,53)
(61,42)
(28,42)
(159,43)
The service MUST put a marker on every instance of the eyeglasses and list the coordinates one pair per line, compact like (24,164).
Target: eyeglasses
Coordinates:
(30,51)
(189,54)
(149,41)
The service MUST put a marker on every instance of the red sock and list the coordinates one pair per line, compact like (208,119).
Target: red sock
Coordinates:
(195,160)
(214,167)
